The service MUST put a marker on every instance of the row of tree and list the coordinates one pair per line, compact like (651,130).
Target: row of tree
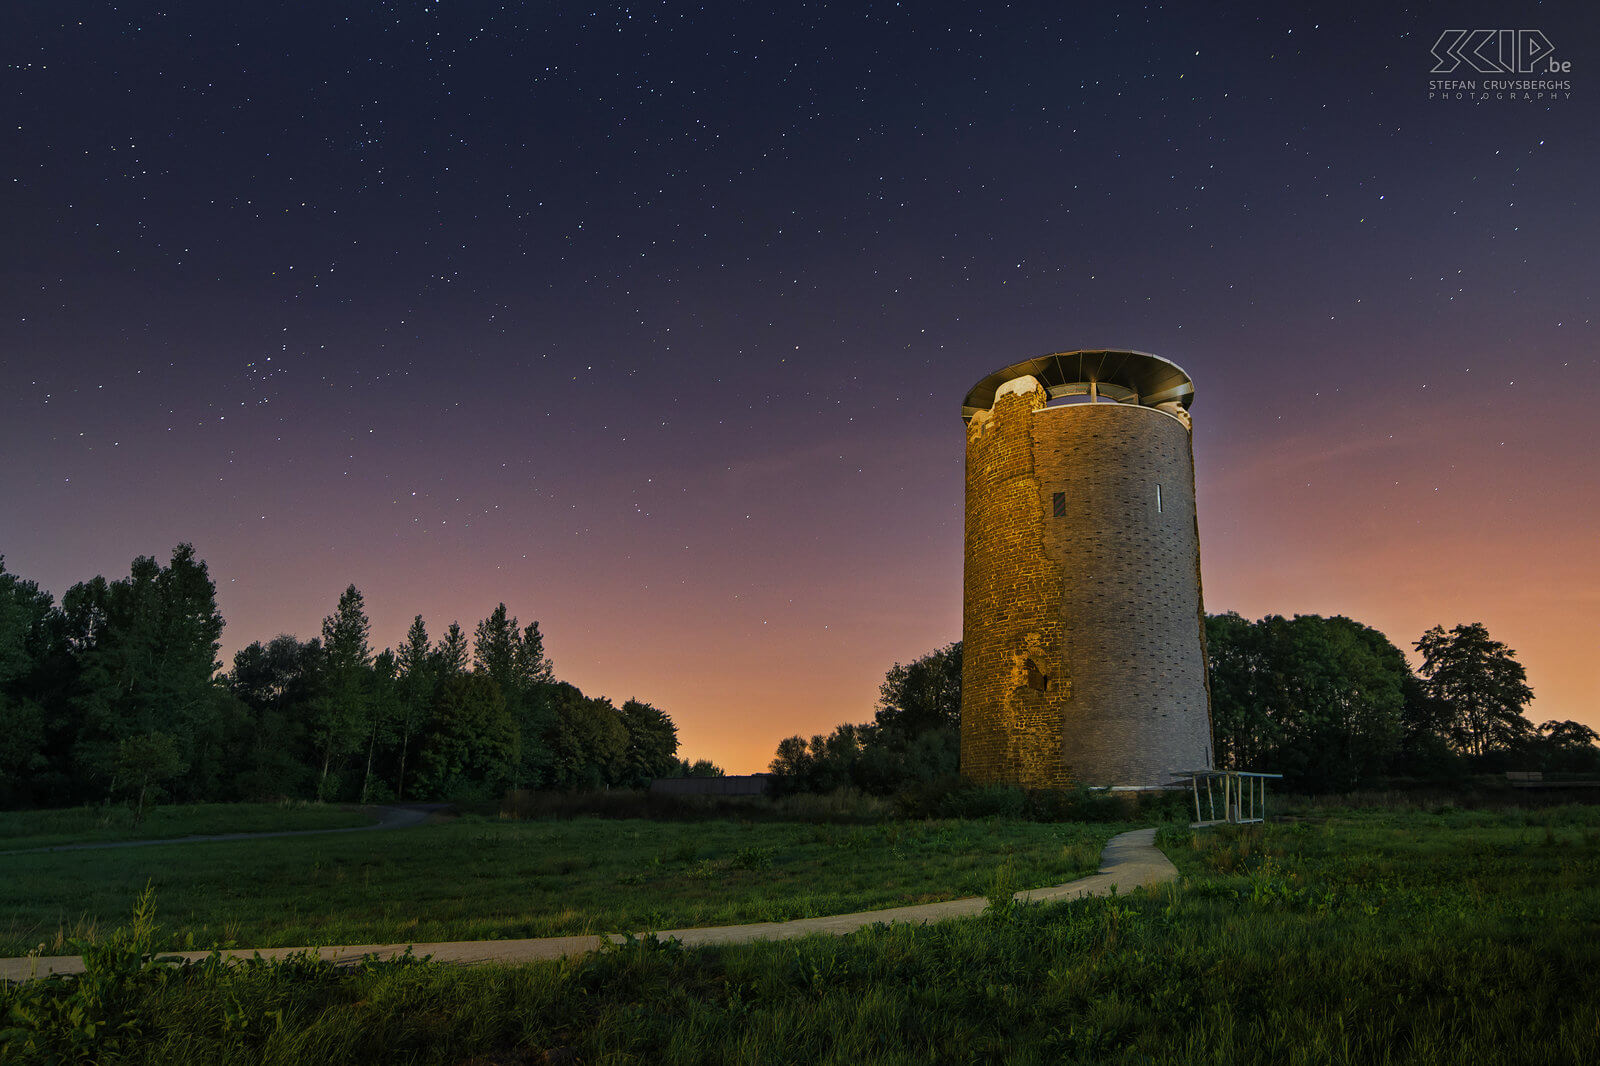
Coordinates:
(1330,703)
(1333,705)
(118,690)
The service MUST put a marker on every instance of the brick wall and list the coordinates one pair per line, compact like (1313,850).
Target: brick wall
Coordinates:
(1083,653)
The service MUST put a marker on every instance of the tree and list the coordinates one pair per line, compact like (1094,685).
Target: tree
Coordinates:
(588,742)
(341,710)
(1319,699)
(698,768)
(514,658)
(1346,683)
(1568,747)
(147,648)
(887,767)
(27,633)
(1569,733)
(281,686)
(451,653)
(914,736)
(924,696)
(382,707)
(1482,684)
(533,667)
(827,763)
(494,649)
(120,684)
(791,765)
(652,745)
(417,672)
(147,761)
(915,733)
(345,633)
(469,746)
(1242,732)
(1425,748)
(86,613)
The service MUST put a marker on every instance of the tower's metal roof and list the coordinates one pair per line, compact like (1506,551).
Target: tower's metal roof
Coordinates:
(1152,379)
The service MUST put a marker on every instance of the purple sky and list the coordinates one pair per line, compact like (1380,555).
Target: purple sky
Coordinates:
(654,322)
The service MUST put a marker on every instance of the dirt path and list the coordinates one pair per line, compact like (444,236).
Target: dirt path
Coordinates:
(1129,861)
(388,818)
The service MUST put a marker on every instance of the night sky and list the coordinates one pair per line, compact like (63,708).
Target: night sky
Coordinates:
(654,321)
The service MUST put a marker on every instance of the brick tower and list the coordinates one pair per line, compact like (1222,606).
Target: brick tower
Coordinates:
(1082,626)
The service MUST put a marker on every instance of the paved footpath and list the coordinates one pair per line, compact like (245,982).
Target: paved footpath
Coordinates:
(1130,860)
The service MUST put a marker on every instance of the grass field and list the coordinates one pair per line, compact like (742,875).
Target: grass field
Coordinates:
(103,825)
(481,878)
(1347,937)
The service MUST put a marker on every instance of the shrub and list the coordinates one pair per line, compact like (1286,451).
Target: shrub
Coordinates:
(754,858)
(1080,804)
(984,801)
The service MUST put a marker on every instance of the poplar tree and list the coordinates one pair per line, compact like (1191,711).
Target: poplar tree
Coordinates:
(381,707)
(494,650)
(341,709)
(533,667)
(414,663)
(450,654)
(513,658)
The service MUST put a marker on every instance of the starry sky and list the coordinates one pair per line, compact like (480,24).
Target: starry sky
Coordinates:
(653,321)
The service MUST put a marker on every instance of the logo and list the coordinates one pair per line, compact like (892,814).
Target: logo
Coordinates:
(1497,52)
(1520,64)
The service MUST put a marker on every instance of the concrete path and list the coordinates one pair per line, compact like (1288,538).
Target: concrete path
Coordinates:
(1129,861)
(388,818)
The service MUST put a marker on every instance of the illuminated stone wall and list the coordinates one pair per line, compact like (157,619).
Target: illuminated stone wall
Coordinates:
(1083,631)
(1012,678)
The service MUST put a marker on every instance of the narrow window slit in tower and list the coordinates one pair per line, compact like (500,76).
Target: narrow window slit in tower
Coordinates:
(1058,503)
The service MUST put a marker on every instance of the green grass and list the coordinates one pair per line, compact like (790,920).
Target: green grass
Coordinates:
(476,878)
(1366,937)
(100,825)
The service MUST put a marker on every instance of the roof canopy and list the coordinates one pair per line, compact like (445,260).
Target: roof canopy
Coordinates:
(1150,379)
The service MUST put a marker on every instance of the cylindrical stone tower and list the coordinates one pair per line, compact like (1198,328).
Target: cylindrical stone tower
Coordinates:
(1083,634)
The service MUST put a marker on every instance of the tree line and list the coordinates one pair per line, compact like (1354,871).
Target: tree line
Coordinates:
(1334,705)
(118,691)
(1330,703)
